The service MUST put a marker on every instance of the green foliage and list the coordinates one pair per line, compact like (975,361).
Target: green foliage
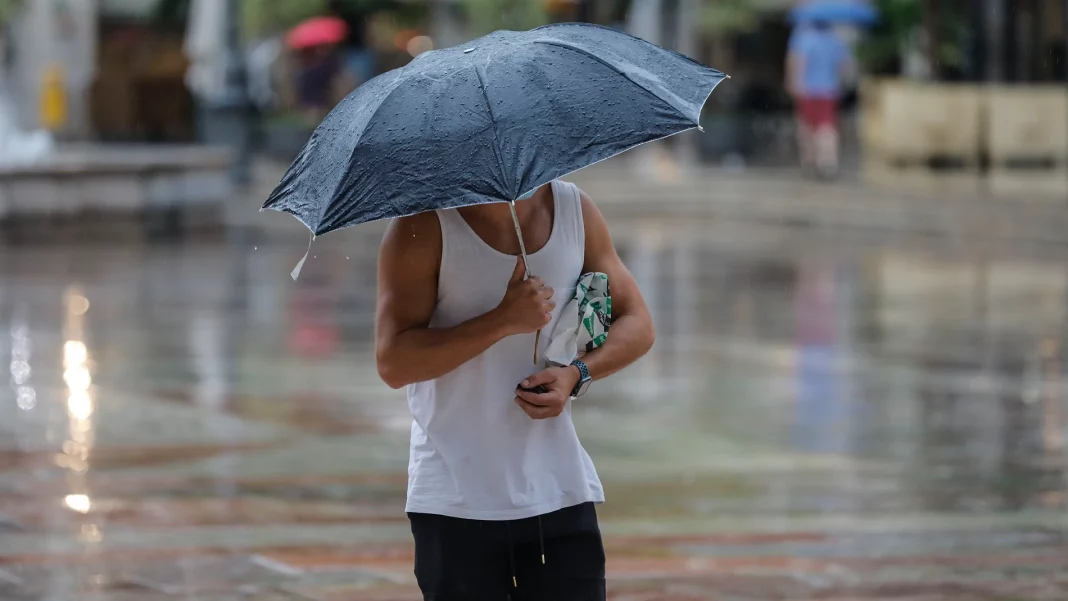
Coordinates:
(729,16)
(172,14)
(8,8)
(900,21)
(485,16)
(264,16)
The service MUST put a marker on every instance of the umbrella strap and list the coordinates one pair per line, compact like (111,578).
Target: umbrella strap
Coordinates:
(296,270)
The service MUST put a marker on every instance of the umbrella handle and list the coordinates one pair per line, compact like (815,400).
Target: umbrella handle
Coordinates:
(526,266)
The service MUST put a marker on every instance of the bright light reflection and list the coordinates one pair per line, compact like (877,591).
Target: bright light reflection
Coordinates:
(74,353)
(78,378)
(79,503)
(420,44)
(26,397)
(78,304)
(80,405)
(90,533)
(20,372)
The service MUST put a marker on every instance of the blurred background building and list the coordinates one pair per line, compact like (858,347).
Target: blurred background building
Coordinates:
(136,70)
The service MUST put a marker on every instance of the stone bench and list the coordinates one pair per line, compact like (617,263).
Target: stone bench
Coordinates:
(116,179)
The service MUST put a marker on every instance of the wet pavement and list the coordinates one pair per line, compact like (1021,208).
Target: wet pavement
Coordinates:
(826,416)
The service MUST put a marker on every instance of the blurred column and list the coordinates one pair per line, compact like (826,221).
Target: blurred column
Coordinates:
(1064,37)
(446,28)
(685,42)
(932,26)
(227,117)
(585,12)
(667,23)
(55,33)
(644,20)
(994,20)
(685,37)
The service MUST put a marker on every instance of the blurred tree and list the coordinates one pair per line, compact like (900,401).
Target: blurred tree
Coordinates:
(901,26)
(729,16)
(8,8)
(490,15)
(265,16)
(172,14)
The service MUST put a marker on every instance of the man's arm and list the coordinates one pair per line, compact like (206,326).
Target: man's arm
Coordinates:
(795,65)
(630,336)
(795,62)
(845,65)
(407,349)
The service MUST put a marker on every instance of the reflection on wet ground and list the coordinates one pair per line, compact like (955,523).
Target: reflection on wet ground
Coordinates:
(822,418)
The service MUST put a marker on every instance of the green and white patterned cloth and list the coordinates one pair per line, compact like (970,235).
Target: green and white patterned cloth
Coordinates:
(584,322)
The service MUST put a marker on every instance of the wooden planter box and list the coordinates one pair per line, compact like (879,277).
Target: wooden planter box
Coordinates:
(1026,124)
(907,122)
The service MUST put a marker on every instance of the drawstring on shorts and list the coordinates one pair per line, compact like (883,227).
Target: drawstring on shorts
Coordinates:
(541,541)
(511,549)
(511,555)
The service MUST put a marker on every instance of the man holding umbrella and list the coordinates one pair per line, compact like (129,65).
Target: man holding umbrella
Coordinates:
(463,148)
(502,499)
(817,64)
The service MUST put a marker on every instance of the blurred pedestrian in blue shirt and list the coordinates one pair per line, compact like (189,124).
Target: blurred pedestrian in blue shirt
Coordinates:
(816,66)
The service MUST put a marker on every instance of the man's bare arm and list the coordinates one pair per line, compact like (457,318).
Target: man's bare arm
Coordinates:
(631,334)
(795,66)
(407,349)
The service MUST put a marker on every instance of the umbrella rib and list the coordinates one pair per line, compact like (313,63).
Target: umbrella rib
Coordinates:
(496,141)
(588,54)
(327,208)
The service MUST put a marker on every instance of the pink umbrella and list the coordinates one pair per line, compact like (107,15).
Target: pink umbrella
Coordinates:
(319,31)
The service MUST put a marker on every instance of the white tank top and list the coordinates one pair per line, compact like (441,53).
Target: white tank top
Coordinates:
(474,453)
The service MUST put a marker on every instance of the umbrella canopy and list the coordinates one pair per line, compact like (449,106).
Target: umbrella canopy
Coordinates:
(835,11)
(320,31)
(489,121)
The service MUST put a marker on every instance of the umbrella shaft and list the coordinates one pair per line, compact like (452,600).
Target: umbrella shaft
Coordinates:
(526,265)
(519,234)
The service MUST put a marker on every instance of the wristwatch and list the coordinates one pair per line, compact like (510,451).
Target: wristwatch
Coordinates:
(584,379)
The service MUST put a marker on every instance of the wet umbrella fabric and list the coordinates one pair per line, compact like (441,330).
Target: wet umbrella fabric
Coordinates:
(489,121)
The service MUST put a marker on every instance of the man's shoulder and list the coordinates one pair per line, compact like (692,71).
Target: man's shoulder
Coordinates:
(423,225)
(426,219)
(414,233)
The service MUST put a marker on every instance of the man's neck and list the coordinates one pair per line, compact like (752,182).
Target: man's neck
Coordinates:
(499,213)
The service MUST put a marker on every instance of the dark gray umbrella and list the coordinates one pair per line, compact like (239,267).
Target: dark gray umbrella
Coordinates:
(489,121)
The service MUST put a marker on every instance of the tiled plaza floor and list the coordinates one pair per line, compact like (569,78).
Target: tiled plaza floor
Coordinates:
(825,418)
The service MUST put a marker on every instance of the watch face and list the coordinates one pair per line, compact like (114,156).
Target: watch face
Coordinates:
(583,386)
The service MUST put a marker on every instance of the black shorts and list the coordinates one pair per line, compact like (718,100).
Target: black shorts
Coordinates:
(477,560)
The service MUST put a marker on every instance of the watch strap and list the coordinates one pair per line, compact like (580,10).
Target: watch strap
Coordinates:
(584,376)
